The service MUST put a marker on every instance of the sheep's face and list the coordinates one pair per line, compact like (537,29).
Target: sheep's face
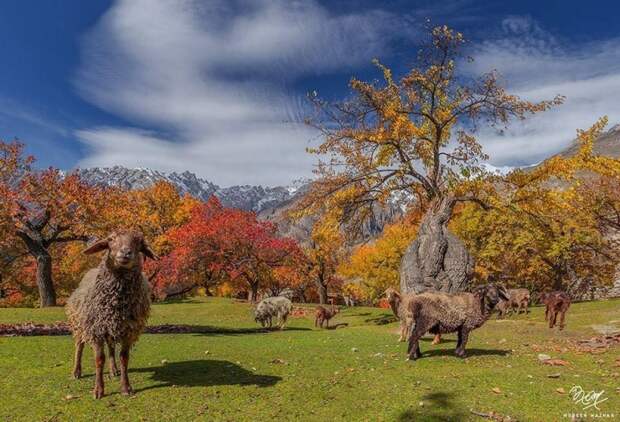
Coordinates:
(492,294)
(124,249)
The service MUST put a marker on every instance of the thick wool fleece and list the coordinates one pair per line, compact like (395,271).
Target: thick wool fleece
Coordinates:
(447,313)
(273,307)
(109,305)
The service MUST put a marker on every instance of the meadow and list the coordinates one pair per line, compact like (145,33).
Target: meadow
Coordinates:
(235,371)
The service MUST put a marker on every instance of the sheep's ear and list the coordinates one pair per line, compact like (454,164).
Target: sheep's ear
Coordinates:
(98,246)
(148,252)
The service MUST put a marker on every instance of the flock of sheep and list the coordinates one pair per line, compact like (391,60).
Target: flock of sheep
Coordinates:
(111,305)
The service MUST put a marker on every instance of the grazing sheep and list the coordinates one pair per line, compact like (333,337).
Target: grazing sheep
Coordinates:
(398,304)
(278,306)
(519,300)
(323,315)
(442,313)
(111,305)
(556,302)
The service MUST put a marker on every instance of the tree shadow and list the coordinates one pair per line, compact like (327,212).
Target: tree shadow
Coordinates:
(335,326)
(438,406)
(204,373)
(382,319)
(212,330)
(357,314)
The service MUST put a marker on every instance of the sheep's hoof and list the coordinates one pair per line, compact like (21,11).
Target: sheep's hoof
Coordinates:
(98,393)
(127,391)
(460,354)
(77,374)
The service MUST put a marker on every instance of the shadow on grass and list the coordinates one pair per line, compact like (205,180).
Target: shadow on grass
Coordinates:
(213,330)
(382,319)
(204,373)
(438,406)
(469,352)
(339,325)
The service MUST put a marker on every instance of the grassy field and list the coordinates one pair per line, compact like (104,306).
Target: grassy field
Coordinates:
(237,372)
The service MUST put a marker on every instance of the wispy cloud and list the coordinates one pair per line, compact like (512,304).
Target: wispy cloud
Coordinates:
(536,65)
(216,76)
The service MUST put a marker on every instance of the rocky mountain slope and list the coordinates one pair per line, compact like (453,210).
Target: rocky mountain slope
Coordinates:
(251,198)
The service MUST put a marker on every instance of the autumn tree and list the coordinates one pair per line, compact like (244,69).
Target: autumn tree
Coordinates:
(375,266)
(415,137)
(46,208)
(222,243)
(324,250)
(549,226)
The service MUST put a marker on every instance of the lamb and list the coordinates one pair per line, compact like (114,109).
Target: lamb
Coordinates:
(519,300)
(442,313)
(278,306)
(556,302)
(398,304)
(111,305)
(323,315)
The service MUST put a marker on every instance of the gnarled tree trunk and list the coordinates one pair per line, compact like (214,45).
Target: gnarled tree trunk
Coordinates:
(47,293)
(437,259)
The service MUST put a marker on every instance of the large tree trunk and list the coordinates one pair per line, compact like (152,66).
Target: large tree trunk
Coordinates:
(437,259)
(253,292)
(322,293)
(47,294)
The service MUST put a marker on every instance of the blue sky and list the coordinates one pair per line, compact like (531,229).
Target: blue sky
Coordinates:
(217,87)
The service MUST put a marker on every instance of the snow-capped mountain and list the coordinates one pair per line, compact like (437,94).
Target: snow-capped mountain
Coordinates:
(252,198)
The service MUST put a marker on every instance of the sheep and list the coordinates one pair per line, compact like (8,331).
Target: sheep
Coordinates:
(398,304)
(270,307)
(111,305)
(556,302)
(519,300)
(323,315)
(442,313)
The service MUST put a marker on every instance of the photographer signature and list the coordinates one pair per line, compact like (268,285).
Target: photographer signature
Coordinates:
(587,399)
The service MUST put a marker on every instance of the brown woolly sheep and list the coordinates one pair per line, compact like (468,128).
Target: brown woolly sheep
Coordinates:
(442,313)
(111,305)
(519,300)
(398,304)
(556,302)
(323,315)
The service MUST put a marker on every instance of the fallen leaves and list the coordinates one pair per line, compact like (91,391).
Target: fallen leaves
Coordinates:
(496,390)
(560,390)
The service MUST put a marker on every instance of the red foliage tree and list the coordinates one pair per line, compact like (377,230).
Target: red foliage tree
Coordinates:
(221,243)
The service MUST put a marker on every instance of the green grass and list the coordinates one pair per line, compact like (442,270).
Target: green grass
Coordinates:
(323,378)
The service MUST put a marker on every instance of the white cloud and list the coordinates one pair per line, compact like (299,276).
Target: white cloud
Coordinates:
(538,66)
(216,75)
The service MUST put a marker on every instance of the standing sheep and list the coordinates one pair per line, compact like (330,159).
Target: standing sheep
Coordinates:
(270,307)
(111,305)
(442,313)
(399,305)
(519,299)
(556,302)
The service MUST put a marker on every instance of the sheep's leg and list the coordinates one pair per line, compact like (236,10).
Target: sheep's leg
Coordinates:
(77,362)
(547,313)
(562,314)
(463,335)
(283,321)
(417,331)
(124,356)
(552,317)
(114,372)
(403,331)
(99,364)
(437,339)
